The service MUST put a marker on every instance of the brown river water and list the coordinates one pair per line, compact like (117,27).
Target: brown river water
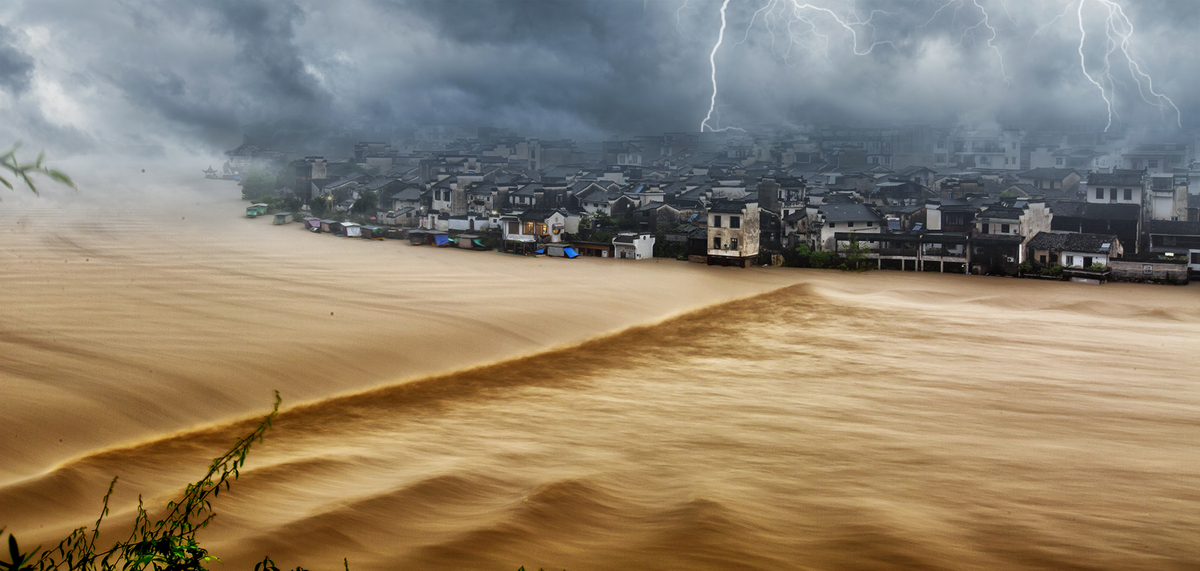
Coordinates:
(481,411)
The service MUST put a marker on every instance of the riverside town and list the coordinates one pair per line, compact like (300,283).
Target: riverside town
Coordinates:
(1071,205)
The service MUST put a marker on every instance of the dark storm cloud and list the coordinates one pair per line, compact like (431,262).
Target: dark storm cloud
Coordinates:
(16,67)
(266,40)
(204,73)
(610,65)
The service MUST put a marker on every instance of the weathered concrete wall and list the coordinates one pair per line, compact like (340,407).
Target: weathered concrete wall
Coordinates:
(1135,271)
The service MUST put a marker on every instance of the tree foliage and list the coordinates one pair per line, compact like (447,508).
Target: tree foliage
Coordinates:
(256,185)
(366,203)
(856,255)
(320,205)
(20,172)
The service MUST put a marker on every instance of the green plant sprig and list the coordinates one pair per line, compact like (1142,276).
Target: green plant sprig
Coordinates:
(8,162)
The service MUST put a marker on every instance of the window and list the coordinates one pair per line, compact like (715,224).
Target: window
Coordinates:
(833,224)
(1112,193)
(1152,163)
(849,224)
(1004,229)
(716,221)
(733,243)
(1070,261)
(1099,193)
(1042,258)
(717,243)
(1014,146)
(735,222)
(1058,161)
(869,224)
(1129,194)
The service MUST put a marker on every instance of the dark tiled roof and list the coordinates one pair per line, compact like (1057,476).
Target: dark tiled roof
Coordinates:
(408,194)
(535,215)
(625,238)
(528,189)
(1072,242)
(1120,179)
(727,206)
(847,213)
(1096,211)
(1002,213)
(1048,173)
(1176,227)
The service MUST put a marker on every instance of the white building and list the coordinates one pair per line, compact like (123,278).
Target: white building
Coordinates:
(633,246)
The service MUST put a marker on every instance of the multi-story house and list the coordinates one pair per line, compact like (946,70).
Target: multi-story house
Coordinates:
(733,233)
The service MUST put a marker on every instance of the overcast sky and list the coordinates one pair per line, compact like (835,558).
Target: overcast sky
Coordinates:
(87,75)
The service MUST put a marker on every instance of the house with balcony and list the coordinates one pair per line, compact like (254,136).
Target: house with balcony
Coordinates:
(1176,238)
(945,250)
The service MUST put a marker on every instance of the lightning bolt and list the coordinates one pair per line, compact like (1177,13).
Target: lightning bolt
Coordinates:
(805,25)
(712,61)
(987,23)
(1047,25)
(1118,33)
(679,17)
(789,12)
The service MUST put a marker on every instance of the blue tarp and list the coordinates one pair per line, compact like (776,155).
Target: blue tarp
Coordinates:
(542,251)
(441,239)
(570,252)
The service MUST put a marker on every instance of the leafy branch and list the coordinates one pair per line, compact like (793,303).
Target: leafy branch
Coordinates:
(168,544)
(20,172)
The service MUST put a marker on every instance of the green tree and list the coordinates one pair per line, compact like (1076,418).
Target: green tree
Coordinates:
(823,259)
(256,185)
(320,205)
(367,202)
(798,257)
(856,255)
(21,172)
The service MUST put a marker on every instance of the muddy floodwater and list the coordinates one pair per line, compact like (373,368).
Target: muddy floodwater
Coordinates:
(473,410)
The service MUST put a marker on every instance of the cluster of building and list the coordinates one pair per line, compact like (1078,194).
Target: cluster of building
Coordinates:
(978,201)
